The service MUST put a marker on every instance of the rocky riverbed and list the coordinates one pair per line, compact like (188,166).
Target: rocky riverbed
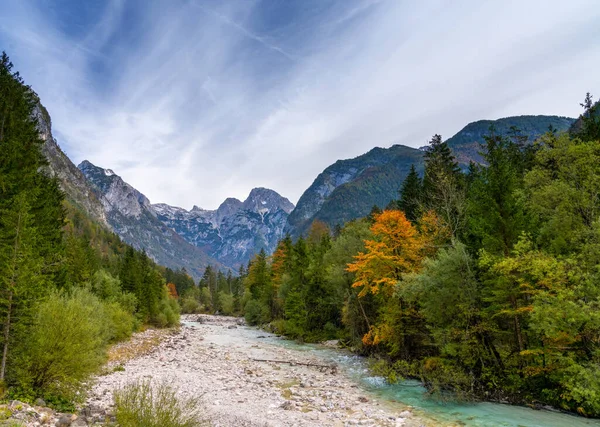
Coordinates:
(241,380)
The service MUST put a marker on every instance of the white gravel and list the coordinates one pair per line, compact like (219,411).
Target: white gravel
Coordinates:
(213,360)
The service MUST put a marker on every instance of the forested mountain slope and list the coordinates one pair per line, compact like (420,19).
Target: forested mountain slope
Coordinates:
(348,189)
(466,144)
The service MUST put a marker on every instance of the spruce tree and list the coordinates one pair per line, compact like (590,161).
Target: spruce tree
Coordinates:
(295,308)
(439,164)
(411,194)
(496,210)
(588,128)
(443,185)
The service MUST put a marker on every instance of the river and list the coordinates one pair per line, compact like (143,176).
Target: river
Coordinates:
(447,412)
(246,377)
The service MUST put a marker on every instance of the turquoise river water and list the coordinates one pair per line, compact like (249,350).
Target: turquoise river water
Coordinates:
(447,412)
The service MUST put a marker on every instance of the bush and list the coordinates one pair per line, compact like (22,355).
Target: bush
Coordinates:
(189,305)
(122,323)
(65,344)
(256,313)
(105,286)
(581,384)
(168,314)
(226,302)
(128,301)
(206,299)
(142,404)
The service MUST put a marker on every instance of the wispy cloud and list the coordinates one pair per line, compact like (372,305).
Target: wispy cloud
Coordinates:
(192,101)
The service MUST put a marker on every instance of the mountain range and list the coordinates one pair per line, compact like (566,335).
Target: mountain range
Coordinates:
(231,235)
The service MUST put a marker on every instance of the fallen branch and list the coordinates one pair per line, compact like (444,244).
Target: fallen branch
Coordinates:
(332,368)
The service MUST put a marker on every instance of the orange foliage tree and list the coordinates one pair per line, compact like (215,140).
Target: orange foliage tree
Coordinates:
(172,290)
(398,247)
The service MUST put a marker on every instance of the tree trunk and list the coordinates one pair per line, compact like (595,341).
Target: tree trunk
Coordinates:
(517,324)
(6,336)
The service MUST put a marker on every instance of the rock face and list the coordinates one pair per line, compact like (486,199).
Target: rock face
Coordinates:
(348,189)
(237,230)
(117,194)
(72,181)
(230,235)
(132,217)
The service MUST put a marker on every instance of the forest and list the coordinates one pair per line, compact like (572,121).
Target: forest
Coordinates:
(68,287)
(484,282)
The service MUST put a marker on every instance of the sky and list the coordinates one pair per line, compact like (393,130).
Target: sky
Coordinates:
(194,101)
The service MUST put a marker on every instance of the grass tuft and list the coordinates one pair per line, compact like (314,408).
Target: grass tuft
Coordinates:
(142,403)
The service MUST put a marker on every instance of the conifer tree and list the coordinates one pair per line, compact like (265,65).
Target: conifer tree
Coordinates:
(443,186)
(295,309)
(496,211)
(589,126)
(411,195)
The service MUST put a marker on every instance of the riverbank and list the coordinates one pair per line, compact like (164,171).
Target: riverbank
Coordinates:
(223,362)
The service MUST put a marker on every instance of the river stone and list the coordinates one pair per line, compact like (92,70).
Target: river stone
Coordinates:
(64,421)
(39,402)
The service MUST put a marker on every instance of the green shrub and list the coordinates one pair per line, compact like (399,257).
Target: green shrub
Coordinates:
(65,344)
(160,320)
(105,286)
(277,327)
(226,302)
(582,388)
(168,313)
(122,323)
(206,299)
(128,301)
(190,305)
(143,404)
(256,313)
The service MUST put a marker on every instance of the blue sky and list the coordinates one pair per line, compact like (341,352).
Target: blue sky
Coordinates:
(193,101)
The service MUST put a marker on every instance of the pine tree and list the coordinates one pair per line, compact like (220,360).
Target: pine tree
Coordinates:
(439,162)
(496,211)
(443,186)
(589,128)
(129,271)
(411,195)
(22,281)
(295,308)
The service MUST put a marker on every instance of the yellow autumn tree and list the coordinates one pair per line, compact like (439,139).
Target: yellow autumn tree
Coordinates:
(397,248)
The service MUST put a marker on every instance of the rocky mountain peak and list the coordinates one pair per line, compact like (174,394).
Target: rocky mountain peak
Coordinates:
(236,230)
(262,200)
(117,193)
(227,209)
